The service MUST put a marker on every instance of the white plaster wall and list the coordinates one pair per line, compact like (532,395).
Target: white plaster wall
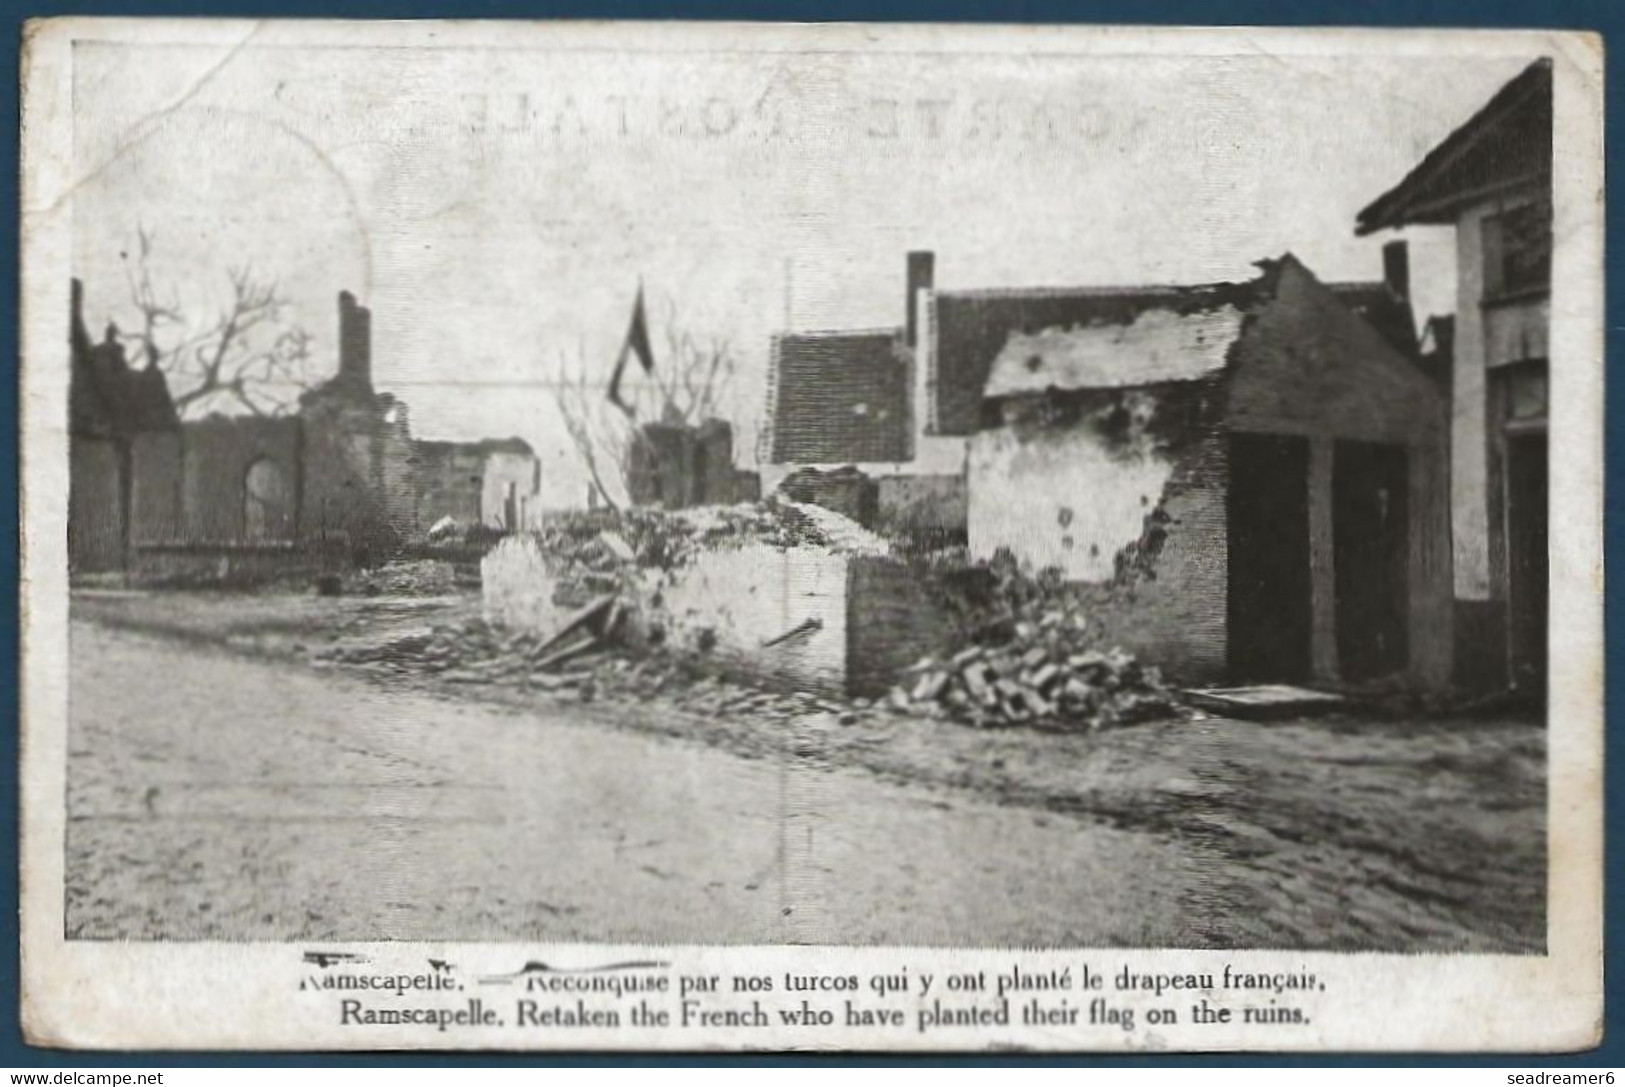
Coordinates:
(517,589)
(751,595)
(500,470)
(1057,497)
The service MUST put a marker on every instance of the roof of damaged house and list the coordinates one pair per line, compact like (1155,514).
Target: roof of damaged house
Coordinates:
(1121,338)
(1507,142)
(1383,309)
(107,397)
(841,397)
(972,329)
(1156,346)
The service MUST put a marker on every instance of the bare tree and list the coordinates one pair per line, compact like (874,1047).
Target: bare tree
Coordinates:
(246,356)
(692,380)
(600,433)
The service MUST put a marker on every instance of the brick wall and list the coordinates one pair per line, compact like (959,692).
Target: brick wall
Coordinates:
(217,455)
(1135,514)
(343,503)
(1064,494)
(893,619)
(930,508)
(675,466)
(1167,601)
(395,476)
(157,485)
(451,477)
(520,472)
(158,564)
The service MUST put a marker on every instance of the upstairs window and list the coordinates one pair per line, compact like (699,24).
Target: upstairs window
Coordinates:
(1518,251)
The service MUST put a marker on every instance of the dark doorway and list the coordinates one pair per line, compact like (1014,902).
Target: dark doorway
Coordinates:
(702,476)
(1371,556)
(1269,608)
(1526,557)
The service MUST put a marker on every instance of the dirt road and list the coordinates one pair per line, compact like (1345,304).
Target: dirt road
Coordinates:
(1349,832)
(217,796)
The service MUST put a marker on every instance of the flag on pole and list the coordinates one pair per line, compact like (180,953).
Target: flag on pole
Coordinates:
(637,342)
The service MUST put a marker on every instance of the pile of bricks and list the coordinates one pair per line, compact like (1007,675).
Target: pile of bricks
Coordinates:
(1042,676)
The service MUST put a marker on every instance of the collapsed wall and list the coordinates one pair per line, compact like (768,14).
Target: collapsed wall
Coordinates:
(760,591)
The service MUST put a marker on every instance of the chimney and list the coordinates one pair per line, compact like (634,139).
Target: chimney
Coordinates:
(78,335)
(921,268)
(355,342)
(1396,269)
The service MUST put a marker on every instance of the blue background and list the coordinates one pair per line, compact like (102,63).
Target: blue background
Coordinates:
(1606,18)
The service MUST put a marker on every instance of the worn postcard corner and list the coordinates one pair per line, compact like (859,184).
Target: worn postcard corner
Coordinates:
(728,536)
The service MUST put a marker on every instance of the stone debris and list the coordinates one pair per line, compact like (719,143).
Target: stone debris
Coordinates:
(1037,679)
(585,662)
(1032,659)
(419,577)
(1030,656)
(475,651)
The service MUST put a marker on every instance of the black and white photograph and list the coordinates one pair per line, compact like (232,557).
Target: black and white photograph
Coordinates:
(963,489)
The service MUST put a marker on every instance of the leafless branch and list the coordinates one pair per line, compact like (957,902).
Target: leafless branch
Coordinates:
(245,356)
(689,384)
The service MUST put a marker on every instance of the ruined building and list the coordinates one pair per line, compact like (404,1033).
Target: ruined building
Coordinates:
(1251,476)
(357,489)
(679,465)
(496,482)
(235,498)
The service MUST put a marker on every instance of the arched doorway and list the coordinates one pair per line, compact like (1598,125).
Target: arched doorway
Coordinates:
(267,502)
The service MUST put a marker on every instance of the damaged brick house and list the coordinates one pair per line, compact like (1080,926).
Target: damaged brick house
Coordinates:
(496,482)
(1251,475)
(1491,180)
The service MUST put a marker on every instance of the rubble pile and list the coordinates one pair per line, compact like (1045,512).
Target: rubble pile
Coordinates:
(1030,682)
(594,552)
(586,660)
(666,539)
(588,616)
(846,491)
(421,577)
(475,651)
(1033,658)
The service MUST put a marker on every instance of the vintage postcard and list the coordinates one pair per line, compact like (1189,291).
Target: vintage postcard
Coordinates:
(743,537)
